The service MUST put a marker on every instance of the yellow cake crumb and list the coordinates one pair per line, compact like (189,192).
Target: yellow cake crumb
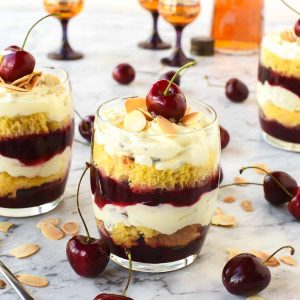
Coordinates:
(285,117)
(137,175)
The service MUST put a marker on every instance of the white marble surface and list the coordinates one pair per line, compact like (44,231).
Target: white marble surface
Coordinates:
(107,39)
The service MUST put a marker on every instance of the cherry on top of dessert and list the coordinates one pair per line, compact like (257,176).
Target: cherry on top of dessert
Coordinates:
(16,62)
(166,99)
(297,25)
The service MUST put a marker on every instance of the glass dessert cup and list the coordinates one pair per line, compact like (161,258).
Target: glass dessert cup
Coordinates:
(154,194)
(36,136)
(278,90)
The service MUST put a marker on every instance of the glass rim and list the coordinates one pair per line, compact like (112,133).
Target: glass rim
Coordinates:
(208,107)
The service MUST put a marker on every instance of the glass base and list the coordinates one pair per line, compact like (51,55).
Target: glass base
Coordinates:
(29,211)
(68,55)
(154,268)
(281,144)
(154,45)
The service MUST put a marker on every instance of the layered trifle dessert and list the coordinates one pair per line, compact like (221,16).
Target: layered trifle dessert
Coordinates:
(278,90)
(154,182)
(36,135)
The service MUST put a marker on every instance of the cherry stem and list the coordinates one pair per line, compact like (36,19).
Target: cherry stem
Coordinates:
(273,178)
(77,196)
(82,143)
(241,183)
(212,84)
(284,247)
(290,7)
(78,114)
(26,37)
(176,74)
(128,253)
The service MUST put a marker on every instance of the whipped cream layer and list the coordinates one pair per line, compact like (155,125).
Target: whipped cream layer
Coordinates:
(165,218)
(278,96)
(54,165)
(274,42)
(152,147)
(54,101)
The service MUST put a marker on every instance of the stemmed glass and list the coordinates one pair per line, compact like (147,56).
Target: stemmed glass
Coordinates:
(154,42)
(66,10)
(178,13)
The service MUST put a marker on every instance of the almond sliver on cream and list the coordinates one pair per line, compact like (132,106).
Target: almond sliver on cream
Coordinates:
(135,121)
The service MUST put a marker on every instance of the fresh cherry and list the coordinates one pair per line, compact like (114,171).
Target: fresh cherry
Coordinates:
(86,127)
(169,75)
(111,297)
(297,28)
(166,99)
(294,205)
(246,274)
(221,175)
(87,256)
(236,90)
(124,73)
(225,137)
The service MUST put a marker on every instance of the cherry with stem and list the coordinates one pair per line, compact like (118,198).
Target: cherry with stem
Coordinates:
(297,25)
(86,126)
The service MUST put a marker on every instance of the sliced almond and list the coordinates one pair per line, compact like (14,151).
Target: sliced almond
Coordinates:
(229,199)
(255,298)
(240,180)
(288,36)
(165,125)
(272,262)
(219,211)
(32,280)
(51,232)
(135,121)
(232,252)
(146,114)
(135,103)
(24,250)
(51,80)
(2,284)
(261,166)
(70,228)
(191,118)
(223,220)
(247,206)
(288,260)
(5,226)
(53,221)
(23,80)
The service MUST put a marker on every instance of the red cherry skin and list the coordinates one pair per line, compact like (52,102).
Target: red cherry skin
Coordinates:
(172,106)
(111,297)
(124,73)
(169,75)
(236,90)
(297,28)
(225,137)
(294,205)
(87,258)
(16,64)
(274,193)
(221,175)
(86,127)
(245,275)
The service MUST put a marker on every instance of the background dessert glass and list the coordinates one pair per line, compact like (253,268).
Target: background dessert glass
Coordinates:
(154,194)
(66,9)
(178,13)
(36,136)
(154,42)
(278,89)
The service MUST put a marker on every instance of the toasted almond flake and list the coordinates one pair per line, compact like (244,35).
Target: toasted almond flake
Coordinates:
(229,199)
(24,250)
(2,284)
(272,262)
(240,180)
(288,36)
(135,121)
(232,252)
(53,221)
(288,260)
(51,232)
(32,280)
(70,228)
(135,103)
(247,206)
(51,80)
(191,118)
(5,226)
(255,298)
(188,110)
(262,166)
(146,114)
(223,220)
(23,80)
(165,125)
(219,211)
